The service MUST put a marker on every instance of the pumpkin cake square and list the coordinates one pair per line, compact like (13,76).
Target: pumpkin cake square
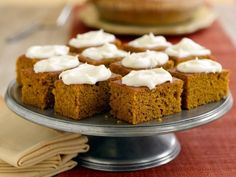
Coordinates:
(37,88)
(38,82)
(103,55)
(35,54)
(186,50)
(83,91)
(91,39)
(204,82)
(141,61)
(145,95)
(147,42)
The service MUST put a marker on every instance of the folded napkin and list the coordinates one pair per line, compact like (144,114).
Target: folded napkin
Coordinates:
(46,165)
(33,149)
(44,169)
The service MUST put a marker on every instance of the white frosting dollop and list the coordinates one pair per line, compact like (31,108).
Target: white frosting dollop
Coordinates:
(148,78)
(150,41)
(199,66)
(187,47)
(46,51)
(148,59)
(56,63)
(103,52)
(92,38)
(85,74)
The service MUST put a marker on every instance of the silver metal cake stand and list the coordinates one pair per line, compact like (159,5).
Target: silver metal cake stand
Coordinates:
(116,145)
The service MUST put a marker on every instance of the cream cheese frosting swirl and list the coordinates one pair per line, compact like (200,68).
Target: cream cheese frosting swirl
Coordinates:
(150,41)
(199,66)
(46,51)
(56,63)
(103,52)
(148,59)
(187,47)
(149,78)
(92,38)
(85,74)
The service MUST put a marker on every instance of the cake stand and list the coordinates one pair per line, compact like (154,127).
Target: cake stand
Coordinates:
(116,145)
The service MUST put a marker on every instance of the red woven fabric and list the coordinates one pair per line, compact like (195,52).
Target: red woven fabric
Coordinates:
(207,151)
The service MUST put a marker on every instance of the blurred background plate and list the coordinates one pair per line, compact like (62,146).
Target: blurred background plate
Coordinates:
(203,18)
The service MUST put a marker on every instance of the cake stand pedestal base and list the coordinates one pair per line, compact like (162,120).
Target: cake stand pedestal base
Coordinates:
(122,147)
(129,153)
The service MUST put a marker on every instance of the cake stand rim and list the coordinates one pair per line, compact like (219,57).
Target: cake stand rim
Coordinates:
(114,130)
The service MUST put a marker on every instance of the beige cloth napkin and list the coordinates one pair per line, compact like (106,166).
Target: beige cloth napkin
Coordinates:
(43,169)
(37,150)
(46,173)
(46,165)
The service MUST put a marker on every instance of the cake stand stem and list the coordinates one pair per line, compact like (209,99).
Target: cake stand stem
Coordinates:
(129,153)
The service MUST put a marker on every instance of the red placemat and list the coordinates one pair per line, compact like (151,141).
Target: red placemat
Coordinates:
(207,151)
